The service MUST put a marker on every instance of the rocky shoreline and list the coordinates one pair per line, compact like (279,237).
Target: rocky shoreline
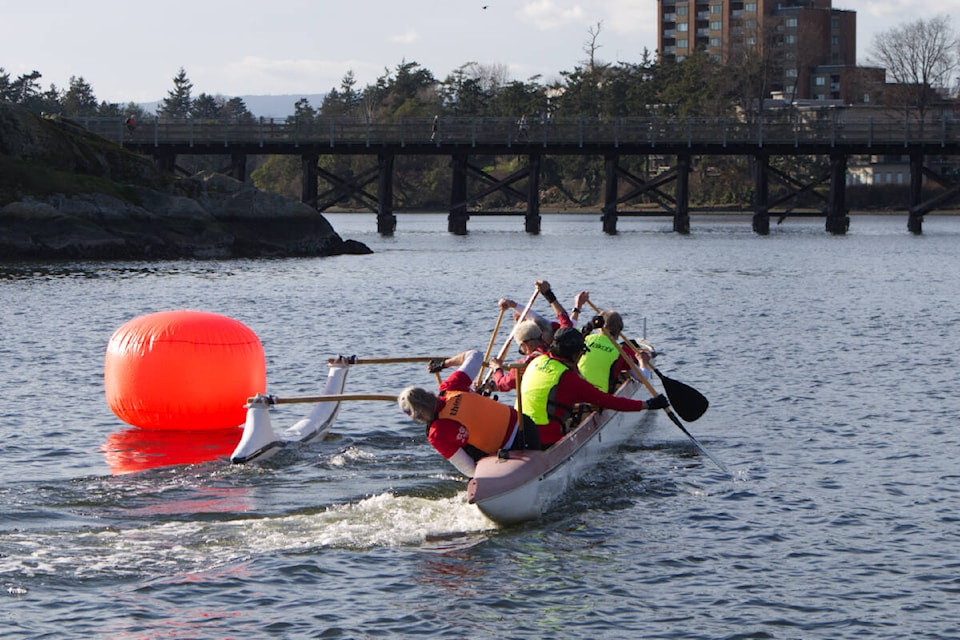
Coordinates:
(116,205)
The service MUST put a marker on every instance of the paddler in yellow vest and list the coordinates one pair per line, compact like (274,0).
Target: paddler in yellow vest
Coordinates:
(551,386)
(602,365)
(463,426)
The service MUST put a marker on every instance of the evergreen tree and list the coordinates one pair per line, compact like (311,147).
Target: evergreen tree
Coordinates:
(177,103)
(235,109)
(206,107)
(79,99)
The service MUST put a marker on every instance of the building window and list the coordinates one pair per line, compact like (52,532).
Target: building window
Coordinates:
(683,27)
(716,25)
(716,42)
(820,81)
(681,44)
(790,39)
(682,10)
(716,9)
(750,6)
(790,73)
(792,22)
(835,41)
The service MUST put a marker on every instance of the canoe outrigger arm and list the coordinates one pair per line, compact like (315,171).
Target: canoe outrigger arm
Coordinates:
(260,441)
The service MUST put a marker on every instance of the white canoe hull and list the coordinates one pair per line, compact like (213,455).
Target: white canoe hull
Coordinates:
(525,484)
(260,441)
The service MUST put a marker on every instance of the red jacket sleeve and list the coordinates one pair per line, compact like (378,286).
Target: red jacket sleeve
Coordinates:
(456,381)
(573,388)
(505,381)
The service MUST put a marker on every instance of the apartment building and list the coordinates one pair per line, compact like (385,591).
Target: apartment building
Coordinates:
(811,46)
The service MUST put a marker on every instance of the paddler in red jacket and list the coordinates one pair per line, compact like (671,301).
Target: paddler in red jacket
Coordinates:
(533,335)
(464,426)
(551,387)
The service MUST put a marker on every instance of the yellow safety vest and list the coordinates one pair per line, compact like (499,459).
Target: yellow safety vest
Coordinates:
(596,365)
(538,387)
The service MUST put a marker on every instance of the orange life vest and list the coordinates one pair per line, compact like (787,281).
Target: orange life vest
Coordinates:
(487,421)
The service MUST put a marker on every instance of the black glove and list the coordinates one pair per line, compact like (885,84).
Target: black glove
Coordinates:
(658,402)
(436,366)
(597,322)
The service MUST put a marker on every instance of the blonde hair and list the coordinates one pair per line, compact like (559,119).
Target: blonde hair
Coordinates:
(417,403)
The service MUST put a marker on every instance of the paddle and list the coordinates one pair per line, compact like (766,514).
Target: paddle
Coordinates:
(493,337)
(356,360)
(506,345)
(689,403)
(670,414)
(337,397)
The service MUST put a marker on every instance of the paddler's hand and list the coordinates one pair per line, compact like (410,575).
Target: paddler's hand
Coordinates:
(435,366)
(657,402)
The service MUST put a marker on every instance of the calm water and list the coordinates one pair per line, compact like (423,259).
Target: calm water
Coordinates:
(830,363)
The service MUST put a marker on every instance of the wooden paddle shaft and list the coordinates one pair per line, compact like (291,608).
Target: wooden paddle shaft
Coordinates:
(340,397)
(355,360)
(506,345)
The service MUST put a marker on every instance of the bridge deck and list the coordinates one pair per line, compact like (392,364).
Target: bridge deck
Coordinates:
(851,134)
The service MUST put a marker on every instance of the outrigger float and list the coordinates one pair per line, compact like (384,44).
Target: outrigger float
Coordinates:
(260,440)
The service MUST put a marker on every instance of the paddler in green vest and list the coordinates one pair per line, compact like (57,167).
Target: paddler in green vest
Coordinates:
(551,386)
(602,365)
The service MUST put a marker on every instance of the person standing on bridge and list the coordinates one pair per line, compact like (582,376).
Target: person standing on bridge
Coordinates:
(464,426)
(522,127)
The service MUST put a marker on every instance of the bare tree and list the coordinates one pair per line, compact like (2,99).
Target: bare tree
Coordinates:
(590,46)
(920,57)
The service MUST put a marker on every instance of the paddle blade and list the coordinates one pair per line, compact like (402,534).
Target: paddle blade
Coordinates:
(687,402)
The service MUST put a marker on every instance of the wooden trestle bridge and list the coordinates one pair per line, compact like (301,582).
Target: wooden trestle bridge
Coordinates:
(677,142)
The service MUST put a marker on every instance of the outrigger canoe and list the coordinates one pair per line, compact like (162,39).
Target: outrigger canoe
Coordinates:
(517,486)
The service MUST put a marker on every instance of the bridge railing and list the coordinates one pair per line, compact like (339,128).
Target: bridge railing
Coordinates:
(842,127)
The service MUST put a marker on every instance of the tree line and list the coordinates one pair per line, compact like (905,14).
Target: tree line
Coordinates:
(920,56)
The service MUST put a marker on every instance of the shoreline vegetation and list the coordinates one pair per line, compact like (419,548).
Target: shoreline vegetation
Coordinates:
(68,194)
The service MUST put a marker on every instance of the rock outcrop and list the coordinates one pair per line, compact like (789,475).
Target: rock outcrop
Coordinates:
(117,205)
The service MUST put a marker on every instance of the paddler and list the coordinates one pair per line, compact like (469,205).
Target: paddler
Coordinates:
(533,335)
(551,387)
(602,365)
(464,426)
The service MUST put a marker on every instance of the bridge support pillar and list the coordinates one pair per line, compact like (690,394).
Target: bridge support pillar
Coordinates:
(915,220)
(166,162)
(308,180)
(681,217)
(386,221)
(238,166)
(838,222)
(611,162)
(532,218)
(457,220)
(761,195)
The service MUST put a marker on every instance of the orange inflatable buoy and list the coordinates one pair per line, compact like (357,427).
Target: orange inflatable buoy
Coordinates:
(183,370)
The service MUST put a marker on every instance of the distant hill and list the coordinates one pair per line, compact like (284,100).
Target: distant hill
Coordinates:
(262,106)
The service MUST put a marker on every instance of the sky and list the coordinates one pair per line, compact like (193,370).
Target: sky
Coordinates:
(130,51)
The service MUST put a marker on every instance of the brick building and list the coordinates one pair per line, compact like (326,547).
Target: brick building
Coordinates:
(811,46)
